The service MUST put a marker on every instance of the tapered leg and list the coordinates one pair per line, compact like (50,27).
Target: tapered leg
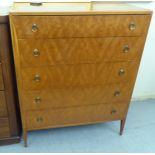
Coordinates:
(122,126)
(25,137)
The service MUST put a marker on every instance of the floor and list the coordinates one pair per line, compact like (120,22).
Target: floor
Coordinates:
(139,135)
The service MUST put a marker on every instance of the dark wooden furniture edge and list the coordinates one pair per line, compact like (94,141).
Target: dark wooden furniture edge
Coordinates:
(10,84)
(4,19)
(10,140)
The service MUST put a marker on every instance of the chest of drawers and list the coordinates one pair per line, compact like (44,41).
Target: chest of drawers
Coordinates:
(76,67)
(9,110)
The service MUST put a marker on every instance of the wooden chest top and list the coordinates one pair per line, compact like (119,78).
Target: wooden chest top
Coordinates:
(74,8)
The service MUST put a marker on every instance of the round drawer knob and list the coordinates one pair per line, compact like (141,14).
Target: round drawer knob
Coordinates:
(34,28)
(37,78)
(37,100)
(36,52)
(126,49)
(117,93)
(121,72)
(113,111)
(132,26)
(39,119)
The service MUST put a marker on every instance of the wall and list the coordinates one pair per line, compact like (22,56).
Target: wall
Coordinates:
(145,86)
(145,83)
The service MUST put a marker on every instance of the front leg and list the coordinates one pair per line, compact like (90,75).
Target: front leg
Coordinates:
(122,126)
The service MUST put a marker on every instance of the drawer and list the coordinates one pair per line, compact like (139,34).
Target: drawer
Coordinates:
(3,108)
(54,98)
(80,26)
(1,78)
(43,52)
(62,76)
(75,115)
(4,128)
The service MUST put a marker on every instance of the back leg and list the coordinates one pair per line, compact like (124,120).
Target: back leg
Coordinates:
(25,137)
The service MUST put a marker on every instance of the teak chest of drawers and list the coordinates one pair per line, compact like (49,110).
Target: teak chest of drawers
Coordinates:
(76,67)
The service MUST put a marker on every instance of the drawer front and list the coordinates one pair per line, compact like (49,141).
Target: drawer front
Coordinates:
(80,26)
(59,98)
(78,75)
(3,108)
(45,52)
(4,128)
(1,79)
(75,115)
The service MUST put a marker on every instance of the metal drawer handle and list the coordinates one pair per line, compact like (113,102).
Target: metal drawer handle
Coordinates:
(37,78)
(113,111)
(36,52)
(132,26)
(126,49)
(121,72)
(37,100)
(34,28)
(36,3)
(117,93)
(39,119)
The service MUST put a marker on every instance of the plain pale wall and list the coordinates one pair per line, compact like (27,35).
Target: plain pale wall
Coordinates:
(145,83)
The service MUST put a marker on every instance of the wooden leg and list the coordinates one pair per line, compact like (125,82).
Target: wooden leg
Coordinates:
(122,126)
(25,137)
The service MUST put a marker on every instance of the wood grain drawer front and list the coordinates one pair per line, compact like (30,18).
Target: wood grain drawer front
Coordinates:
(4,128)
(75,115)
(1,78)
(78,75)
(3,108)
(80,26)
(59,98)
(45,52)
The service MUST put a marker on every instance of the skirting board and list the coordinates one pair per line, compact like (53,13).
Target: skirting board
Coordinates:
(143,97)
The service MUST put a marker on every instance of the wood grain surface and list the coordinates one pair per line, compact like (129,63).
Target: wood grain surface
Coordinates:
(9,110)
(4,128)
(75,115)
(80,26)
(67,97)
(3,107)
(61,76)
(44,52)
(1,79)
